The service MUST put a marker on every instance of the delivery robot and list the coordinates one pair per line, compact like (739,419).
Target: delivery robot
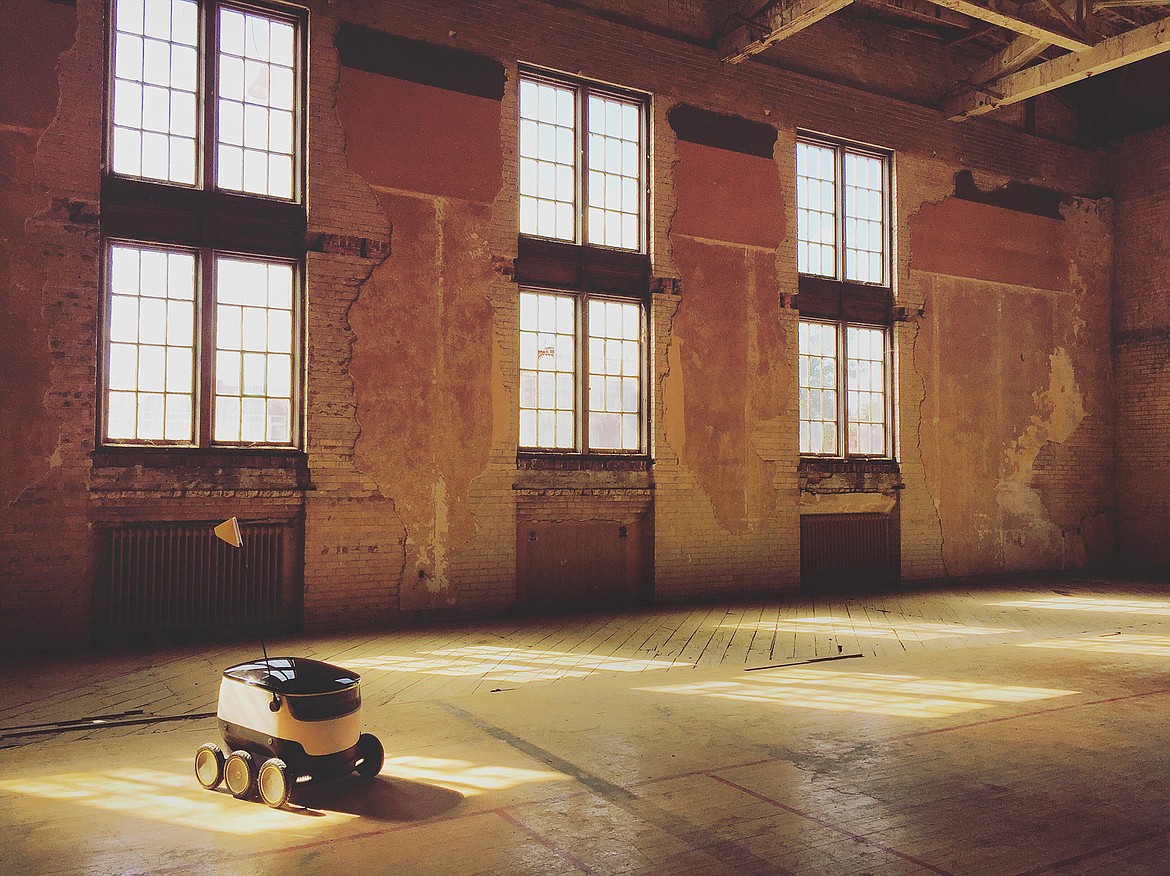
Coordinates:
(297,719)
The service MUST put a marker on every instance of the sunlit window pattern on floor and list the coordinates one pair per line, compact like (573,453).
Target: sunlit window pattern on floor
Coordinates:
(1091,603)
(1133,644)
(254,342)
(172,798)
(151,349)
(919,630)
(468,778)
(900,696)
(155,90)
(508,664)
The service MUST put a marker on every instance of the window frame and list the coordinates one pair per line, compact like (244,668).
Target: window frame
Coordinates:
(840,147)
(841,329)
(204,334)
(581,371)
(207,99)
(584,88)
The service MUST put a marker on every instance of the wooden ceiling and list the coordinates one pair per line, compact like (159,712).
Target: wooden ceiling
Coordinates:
(1028,48)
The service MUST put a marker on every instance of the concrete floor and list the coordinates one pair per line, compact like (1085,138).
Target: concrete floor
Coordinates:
(1015,729)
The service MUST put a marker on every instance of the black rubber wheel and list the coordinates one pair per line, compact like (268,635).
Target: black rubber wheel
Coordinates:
(239,772)
(209,765)
(274,782)
(371,756)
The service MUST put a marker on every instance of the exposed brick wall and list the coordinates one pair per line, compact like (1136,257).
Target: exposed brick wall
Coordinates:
(409,488)
(1141,170)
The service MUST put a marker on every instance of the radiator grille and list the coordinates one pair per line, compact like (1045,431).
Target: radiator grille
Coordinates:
(843,551)
(182,578)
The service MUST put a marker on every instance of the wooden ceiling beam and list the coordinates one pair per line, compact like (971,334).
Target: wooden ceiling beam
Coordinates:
(1025,26)
(773,23)
(1012,57)
(1135,45)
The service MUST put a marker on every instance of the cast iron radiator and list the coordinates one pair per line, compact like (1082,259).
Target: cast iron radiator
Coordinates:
(846,551)
(179,577)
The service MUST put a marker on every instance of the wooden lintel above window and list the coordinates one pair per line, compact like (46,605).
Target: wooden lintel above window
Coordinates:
(825,298)
(559,265)
(140,210)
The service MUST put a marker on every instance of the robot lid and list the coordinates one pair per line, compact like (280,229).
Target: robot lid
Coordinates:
(293,675)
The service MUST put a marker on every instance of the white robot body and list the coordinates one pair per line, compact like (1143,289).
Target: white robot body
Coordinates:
(287,720)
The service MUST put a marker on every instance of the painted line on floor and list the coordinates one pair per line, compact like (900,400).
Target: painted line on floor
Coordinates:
(698,838)
(836,828)
(1094,853)
(1033,714)
(557,850)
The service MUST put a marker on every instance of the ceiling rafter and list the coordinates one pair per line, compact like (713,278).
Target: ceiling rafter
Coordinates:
(772,23)
(1118,51)
(1027,26)
(1012,57)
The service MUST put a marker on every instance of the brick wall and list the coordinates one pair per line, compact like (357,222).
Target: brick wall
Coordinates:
(409,490)
(1141,169)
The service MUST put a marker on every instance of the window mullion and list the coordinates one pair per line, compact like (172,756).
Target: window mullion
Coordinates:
(205,344)
(839,170)
(209,135)
(582,211)
(583,372)
(843,394)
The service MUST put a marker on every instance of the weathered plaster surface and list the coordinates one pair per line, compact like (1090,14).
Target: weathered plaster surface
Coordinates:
(1012,353)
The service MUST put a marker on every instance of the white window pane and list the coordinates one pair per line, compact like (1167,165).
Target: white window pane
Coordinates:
(279,421)
(282,44)
(280,133)
(150,415)
(566,436)
(182,161)
(122,415)
(129,15)
(227,419)
(156,62)
(228,368)
(123,366)
(178,423)
(231,78)
(630,430)
(228,327)
(156,156)
(279,376)
(255,329)
(184,22)
(152,321)
(127,157)
(255,374)
(127,104)
(179,370)
(256,127)
(280,181)
(280,331)
(528,428)
(255,172)
(180,324)
(231,32)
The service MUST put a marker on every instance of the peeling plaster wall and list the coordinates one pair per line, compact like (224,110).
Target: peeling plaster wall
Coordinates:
(1017,412)
(409,488)
(48,180)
